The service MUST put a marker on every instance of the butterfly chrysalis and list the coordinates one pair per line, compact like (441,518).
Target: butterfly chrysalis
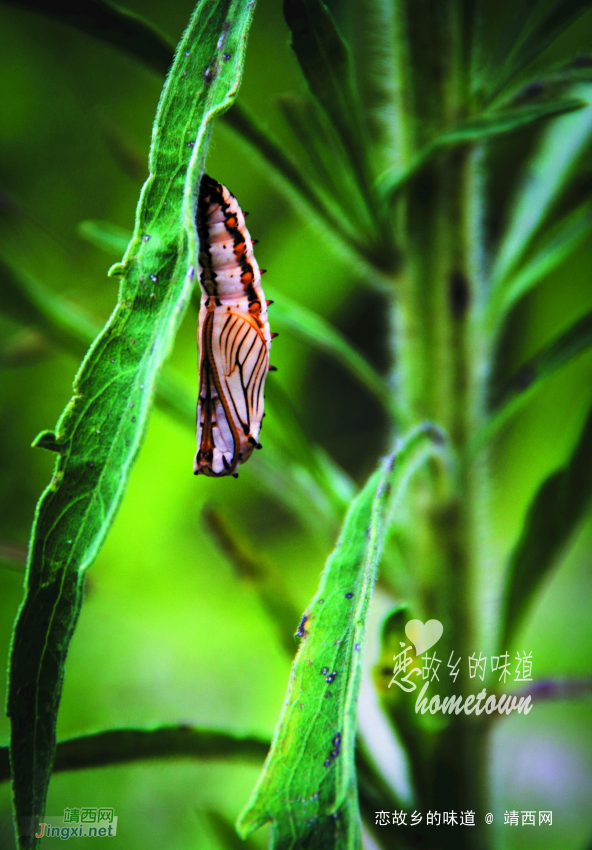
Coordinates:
(233,335)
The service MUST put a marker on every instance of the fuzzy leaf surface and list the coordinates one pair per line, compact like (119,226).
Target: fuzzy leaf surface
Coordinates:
(101,430)
(308,784)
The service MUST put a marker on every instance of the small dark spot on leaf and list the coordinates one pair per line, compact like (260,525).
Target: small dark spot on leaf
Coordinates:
(153,278)
(301,630)
(324,671)
(357,647)
(327,763)
(349,595)
(147,238)
(226,56)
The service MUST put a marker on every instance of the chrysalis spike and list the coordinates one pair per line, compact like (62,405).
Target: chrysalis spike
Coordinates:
(274,334)
(272,368)
(269,303)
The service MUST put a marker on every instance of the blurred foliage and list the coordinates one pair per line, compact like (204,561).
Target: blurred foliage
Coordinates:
(188,621)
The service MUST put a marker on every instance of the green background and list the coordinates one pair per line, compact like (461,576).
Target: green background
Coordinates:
(168,633)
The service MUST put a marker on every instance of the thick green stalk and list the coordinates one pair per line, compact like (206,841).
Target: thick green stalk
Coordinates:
(439,376)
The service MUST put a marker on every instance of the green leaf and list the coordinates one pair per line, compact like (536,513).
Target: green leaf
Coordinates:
(110,23)
(533,27)
(325,60)
(555,246)
(546,175)
(478,129)
(307,787)
(555,513)
(102,428)
(282,169)
(532,375)
(328,160)
(122,746)
(30,303)
(105,236)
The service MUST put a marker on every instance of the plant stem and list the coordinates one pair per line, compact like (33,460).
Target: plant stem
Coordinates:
(440,376)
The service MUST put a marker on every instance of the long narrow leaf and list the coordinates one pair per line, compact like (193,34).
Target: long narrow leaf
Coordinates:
(101,430)
(546,174)
(325,60)
(478,129)
(110,23)
(307,787)
(105,236)
(328,160)
(556,247)
(555,513)
(123,746)
(539,29)
(281,167)
(532,376)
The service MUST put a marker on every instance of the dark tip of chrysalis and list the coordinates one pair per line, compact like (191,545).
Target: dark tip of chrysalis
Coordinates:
(274,334)
(258,446)
(245,213)
(272,368)
(263,271)
(255,241)
(269,303)
(235,474)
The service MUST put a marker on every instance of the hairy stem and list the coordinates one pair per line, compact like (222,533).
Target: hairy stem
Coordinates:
(439,376)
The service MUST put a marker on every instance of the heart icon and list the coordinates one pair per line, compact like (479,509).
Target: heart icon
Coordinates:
(423,636)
